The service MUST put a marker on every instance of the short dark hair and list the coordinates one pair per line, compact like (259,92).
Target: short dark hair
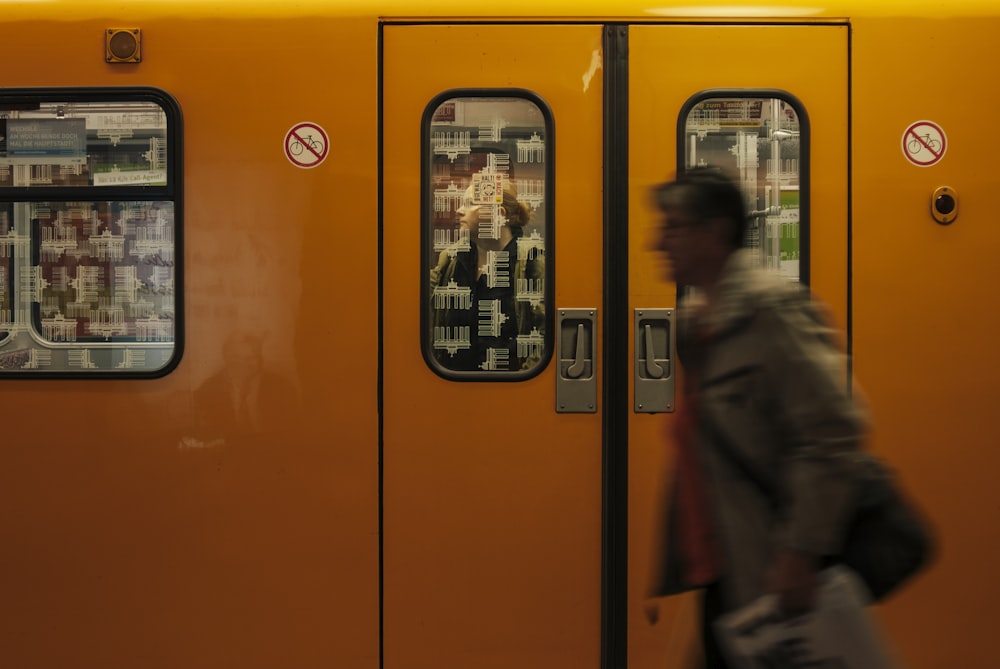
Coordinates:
(707,194)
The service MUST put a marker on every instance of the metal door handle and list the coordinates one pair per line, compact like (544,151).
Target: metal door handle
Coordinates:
(654,355)
(575,370)
(654,370)
(576,352)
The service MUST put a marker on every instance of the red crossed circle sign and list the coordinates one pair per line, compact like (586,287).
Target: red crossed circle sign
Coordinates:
(924,143)
(306,145)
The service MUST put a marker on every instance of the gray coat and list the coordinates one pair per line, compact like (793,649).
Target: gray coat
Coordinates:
(773,384)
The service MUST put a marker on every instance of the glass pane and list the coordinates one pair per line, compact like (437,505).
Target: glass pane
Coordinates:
(87,281)
(51,144)
(87,286)
(758,141)
(486,232)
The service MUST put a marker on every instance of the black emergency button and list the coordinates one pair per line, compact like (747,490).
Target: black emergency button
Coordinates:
(944,205)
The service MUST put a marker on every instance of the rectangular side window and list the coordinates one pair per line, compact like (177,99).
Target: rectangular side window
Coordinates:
(89,233)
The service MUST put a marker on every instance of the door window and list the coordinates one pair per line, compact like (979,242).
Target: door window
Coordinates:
(759,139)
(487,231)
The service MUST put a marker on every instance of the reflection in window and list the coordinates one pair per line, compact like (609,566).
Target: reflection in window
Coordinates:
(485,235)
(88,235)
(105,271)
(50,144)
(757,141)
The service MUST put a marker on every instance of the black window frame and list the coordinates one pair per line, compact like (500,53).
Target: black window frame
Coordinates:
(427,223)
(804,154)
(171,191)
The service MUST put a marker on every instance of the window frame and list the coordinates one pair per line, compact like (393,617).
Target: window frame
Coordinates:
(171,191)
(427,226)
(804,153)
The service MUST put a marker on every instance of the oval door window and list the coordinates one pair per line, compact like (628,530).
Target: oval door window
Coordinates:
(487,230)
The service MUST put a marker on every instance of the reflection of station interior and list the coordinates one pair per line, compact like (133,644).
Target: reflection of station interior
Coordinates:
(74,144)
(757,141)
(88,283)
(476,144)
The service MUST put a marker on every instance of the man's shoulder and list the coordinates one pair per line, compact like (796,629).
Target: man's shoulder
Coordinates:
(747,278)
(746,289)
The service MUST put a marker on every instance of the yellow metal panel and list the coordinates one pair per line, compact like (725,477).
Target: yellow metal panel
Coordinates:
(925,314)
(668,65)
(551,11)
(137,533)
(130,541)
(492,501)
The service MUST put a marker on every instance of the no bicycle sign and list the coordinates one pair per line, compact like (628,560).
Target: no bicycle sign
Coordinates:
(306,145)
(924,143)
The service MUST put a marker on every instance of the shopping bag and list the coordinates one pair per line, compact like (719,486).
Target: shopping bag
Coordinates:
(839,633)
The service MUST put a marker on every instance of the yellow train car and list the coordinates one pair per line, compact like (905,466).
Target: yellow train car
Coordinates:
(239,434)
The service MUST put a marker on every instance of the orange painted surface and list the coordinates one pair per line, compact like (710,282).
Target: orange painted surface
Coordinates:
(925,317)
(664,76)
(139,528)
(492,500)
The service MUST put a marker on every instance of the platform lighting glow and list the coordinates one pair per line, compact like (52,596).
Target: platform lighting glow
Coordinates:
(733,11)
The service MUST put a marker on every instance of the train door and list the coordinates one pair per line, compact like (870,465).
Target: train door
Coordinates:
(491,495)
(498,512)
(769,105)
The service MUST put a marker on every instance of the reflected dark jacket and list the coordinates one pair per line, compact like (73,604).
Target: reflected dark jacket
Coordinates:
(530,316)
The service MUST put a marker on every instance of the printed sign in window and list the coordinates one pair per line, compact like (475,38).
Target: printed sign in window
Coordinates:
(47,140)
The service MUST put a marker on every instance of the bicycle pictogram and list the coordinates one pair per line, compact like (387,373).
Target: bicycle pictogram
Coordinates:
(306,145)
(918,143)
(297,146)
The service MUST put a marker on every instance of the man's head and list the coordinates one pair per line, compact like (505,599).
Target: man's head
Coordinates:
(703,220)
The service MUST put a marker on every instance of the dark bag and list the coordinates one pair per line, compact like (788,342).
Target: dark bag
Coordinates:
(887,541)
